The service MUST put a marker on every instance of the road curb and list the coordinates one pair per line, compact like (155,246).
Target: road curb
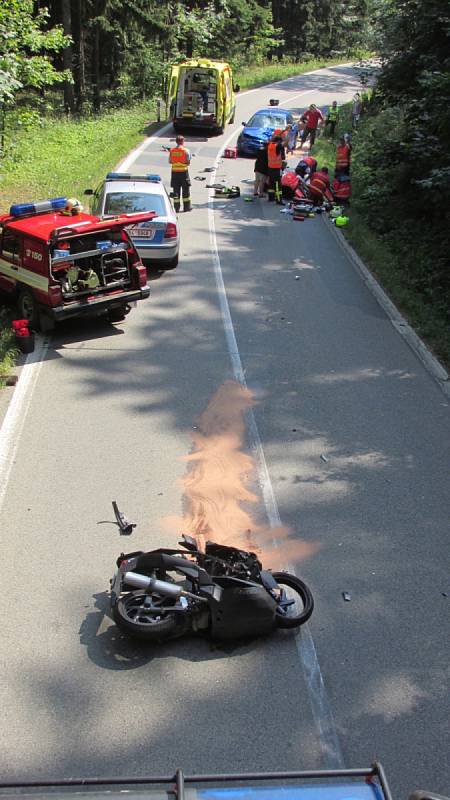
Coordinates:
(431,363)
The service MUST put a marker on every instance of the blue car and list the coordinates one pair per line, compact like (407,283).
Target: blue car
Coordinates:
(259,130)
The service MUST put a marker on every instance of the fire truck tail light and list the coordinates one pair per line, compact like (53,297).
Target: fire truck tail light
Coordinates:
(171,231)
(55,295)
(142,274)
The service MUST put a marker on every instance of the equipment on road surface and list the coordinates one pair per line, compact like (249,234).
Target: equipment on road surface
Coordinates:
(228,192)
(357,784)
(223,591)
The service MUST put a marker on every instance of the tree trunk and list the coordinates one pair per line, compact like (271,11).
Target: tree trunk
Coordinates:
(67,55)
(79,69)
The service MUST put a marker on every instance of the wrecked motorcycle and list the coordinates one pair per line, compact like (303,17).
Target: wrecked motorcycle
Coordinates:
(223,591)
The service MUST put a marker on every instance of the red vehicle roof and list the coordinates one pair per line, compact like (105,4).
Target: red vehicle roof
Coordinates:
(45,226)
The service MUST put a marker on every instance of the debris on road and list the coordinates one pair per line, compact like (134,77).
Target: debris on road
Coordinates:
(324,458)
(347,596)
(126,527)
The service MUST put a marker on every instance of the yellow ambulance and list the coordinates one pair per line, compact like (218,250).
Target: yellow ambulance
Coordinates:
(201,95)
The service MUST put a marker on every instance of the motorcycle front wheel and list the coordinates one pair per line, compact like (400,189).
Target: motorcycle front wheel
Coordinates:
(295,602)
(132,615)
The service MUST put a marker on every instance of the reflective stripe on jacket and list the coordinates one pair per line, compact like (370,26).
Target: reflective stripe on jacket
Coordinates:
(179,158)
(274,159)
(319,183)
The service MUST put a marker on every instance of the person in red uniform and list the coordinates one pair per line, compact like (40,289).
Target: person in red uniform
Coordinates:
(306,166)
(275,158)
(319,186)
(343,157)
(312,118)
(180,158)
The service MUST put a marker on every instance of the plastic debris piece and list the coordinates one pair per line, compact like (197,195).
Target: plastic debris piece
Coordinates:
(126,527)
(323,457)
(199,178)
(209,169)
(297,277)
(347,596)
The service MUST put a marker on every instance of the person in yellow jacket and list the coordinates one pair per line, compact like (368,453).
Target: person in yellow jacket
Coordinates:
(180,158)
(332,118)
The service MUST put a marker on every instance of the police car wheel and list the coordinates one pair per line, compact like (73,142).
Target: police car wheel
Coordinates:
(171,264)
(28,308)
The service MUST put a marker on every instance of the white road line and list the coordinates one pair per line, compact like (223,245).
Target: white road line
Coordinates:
(14,419)
(320,705)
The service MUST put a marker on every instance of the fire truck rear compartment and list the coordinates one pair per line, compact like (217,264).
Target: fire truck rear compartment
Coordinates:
(94,271)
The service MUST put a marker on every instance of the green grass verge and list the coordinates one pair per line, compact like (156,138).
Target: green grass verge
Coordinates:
(65,156)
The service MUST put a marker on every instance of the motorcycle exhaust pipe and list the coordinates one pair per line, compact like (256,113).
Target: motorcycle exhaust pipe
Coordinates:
(161,587)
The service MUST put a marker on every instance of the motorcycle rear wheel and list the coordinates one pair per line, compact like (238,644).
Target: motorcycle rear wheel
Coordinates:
(131,617)
(299,612)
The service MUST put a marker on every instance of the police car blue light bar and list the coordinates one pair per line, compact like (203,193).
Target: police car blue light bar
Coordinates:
(126,176)
(40,207)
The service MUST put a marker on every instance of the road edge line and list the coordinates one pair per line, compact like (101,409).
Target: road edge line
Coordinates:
(14,419)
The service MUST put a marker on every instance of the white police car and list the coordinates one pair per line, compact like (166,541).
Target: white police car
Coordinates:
(158,241)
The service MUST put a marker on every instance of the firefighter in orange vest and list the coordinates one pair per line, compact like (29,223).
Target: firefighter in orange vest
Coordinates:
(319,186)
(180,158)
(275,158)
(343,156)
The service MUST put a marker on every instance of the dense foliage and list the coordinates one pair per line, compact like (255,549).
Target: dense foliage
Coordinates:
(402,175)
(119,50)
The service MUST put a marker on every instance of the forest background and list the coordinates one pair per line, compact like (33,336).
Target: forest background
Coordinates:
(90,73)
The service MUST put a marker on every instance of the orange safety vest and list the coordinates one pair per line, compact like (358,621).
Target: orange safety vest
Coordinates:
(178,157)
(342,155)
(274,159)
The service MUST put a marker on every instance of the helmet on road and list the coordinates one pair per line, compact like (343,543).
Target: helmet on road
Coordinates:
(341,221)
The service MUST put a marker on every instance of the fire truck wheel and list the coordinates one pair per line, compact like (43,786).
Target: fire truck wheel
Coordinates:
(28,308)
(117,314)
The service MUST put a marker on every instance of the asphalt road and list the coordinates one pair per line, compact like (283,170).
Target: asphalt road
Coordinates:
(263,392)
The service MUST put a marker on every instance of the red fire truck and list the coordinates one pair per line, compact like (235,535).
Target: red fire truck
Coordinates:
(58,264)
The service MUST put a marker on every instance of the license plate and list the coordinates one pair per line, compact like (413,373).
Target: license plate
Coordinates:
(141,233)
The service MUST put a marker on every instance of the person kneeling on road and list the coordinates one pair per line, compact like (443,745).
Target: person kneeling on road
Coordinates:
(306,166)
(180,158)
(319,186)
(275,159)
